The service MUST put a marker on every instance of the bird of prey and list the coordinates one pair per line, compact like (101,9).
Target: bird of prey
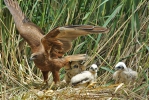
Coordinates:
(48,50)
(73,68)
(123,74)
(85,78)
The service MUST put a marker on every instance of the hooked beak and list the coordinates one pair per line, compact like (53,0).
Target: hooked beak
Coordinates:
(32,58)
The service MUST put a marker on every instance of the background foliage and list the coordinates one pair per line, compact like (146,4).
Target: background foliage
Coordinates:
(128,40)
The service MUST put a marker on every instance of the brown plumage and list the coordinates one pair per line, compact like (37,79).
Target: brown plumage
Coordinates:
(73,68)
(48,50)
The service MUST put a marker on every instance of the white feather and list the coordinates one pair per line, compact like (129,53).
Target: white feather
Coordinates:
(86,76)
(82,76)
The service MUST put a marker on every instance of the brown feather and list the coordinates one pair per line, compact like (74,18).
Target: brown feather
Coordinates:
(28,30)
(63,36)
(48,50)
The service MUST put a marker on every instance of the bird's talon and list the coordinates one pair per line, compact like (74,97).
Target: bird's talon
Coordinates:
(91,84)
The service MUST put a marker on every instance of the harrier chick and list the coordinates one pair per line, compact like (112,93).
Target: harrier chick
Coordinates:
(48,50)
(73,68)
(85,78)
(124,74)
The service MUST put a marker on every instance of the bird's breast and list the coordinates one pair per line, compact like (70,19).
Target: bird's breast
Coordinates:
(42,65)
(48,65)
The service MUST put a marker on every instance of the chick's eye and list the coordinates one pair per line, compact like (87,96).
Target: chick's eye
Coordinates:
(91,67)
(120,67)
(75,66)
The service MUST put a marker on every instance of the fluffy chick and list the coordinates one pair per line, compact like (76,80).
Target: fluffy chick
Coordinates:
(73,68)
(123,74)
(85,78)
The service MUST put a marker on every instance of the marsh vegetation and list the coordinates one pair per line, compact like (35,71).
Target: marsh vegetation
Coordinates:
(127,41)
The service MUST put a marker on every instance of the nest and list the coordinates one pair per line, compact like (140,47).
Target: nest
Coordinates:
(117,91)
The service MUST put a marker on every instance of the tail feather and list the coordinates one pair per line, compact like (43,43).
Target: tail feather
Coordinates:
(76,57)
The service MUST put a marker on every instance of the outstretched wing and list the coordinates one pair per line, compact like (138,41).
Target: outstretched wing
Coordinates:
(28,30)
(58,41)
(15,10)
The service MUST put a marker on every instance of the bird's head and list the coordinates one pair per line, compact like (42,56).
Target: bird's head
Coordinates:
(74,65)
(37,55)
(120,66)
(93,68)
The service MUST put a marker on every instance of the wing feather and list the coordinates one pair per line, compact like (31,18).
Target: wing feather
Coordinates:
(28,30)
(63,36)
(16,11)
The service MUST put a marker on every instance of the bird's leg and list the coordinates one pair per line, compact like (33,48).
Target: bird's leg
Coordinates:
(92,84)
(45,83)
(56,76)
(45,76)
(56,79)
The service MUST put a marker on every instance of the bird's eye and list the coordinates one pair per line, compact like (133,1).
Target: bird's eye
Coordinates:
(91,68)
(120,67)
(75,66)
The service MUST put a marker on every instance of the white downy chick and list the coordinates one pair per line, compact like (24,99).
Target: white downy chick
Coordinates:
(85,78)
(123,74)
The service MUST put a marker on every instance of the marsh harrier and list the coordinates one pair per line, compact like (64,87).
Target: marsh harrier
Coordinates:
(48,50)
